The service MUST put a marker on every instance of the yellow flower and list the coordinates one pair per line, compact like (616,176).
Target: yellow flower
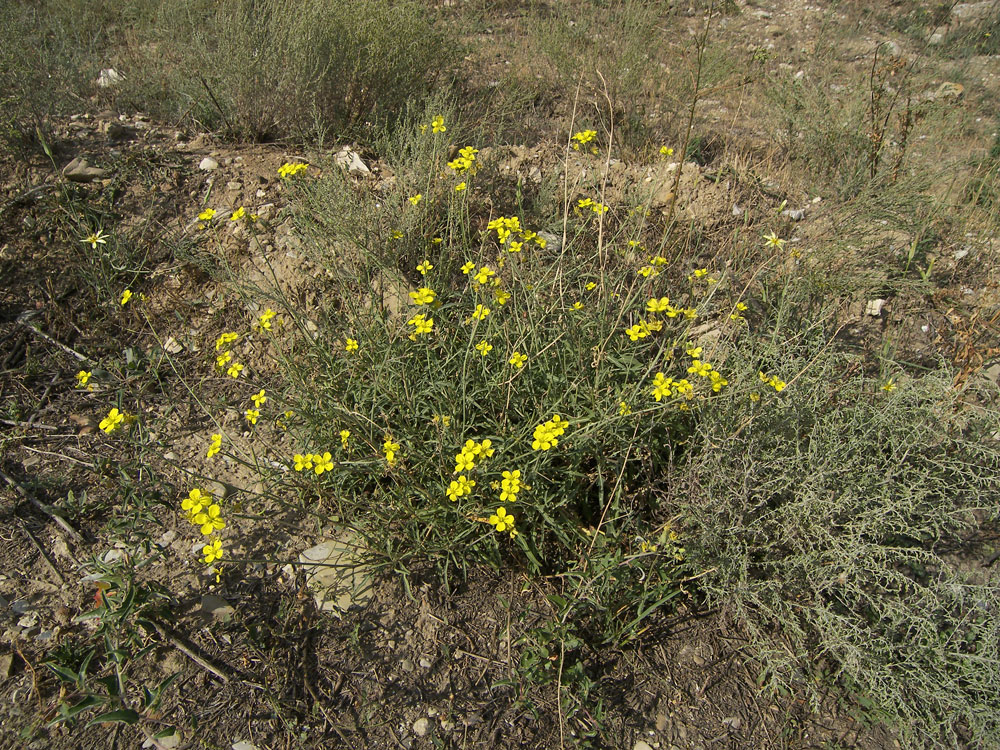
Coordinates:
(238,214)
(517,359)
(648,271)
(126,296)
(224,339)
(111,422)
(483,275)
(207,215)
(303,461)
(773,241)
(484,347)
(468,268)
(424,267)
(423,296)
(212,552)
(437,125)
(323,463)
(415,199)
(582,138)
(459,487)
(666,151)
(82,378)
(460,187)
(259,398)
(215,446)
(501,296)
(264,321)
(351,345)
(252,415)
(421,325)
(210,520)
(661,386)
(702,369)
(223,359)
(658,305)
(234,370)
(591,286)
(344,435)
(194,502)
(290,169)
(623,408)
(390,449)
(502,520)
(95,238)
(889,386)
(480,312)
(510,485)
(577,305)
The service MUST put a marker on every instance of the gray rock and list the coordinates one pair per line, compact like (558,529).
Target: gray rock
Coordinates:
(216,607)
(244,745)
(936,38)
(335,574)
(642,745)
(421,727)
(969,11)
(79,170)
(168,741)
(208,164)
(795,214)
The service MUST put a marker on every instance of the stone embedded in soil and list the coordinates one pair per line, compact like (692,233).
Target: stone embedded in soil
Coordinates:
(208,164)
(79,170)
(168,741)
(642,745)
(874,307)
(335,574)
(216,607)
(244,745)
(421,727)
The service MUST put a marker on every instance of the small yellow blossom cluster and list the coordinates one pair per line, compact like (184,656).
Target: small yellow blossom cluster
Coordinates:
(424,267)
(504,226)
(390,448)
(517,359)
(465,162)
(653,269)
(252,414)
(264,321)
(205,217)
(202,511)
(437,125)
(215,445)
(508,229)
(83,380)
(772,380)
(548,433)
(116,419)
(597,208)
(421,325)
(664,386)
(459,488)
(423,296)
(510,485)
(503,521)
(465,459)
(224,360)
(582,138)
(666,151)
(317,462)
(737,314)
(290,169)
(126,296)
(705,370)
(702,273)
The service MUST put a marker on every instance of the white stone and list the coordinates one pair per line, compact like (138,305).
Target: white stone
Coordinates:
(108,78)
(874,307)
(208,164)
(421,727)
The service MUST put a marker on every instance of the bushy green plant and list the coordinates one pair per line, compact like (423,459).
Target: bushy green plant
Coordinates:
(828,513)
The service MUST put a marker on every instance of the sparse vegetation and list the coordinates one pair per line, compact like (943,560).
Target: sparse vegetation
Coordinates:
(544,404)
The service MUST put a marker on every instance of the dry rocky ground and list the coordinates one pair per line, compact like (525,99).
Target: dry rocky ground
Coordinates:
(266,660)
